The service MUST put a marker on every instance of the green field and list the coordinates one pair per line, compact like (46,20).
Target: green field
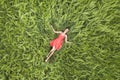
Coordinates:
(25,33)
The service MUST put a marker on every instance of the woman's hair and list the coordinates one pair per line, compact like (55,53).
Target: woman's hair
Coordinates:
(67,28)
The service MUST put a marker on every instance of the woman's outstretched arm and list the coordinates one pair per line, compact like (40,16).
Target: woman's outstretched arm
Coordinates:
(55,31)
(66,39)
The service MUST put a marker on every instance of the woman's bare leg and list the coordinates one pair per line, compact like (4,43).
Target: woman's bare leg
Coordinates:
(50,51)
(50,55)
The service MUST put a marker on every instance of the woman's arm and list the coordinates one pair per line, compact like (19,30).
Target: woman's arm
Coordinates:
(66,39)
(55,31)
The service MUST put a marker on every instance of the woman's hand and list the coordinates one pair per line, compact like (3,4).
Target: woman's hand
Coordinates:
(54,30)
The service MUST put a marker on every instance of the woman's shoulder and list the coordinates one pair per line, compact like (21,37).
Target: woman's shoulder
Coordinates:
(63,34)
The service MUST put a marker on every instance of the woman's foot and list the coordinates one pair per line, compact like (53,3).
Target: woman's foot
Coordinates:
(46,60)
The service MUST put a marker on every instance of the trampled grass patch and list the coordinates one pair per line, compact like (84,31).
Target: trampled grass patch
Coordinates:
(25,34)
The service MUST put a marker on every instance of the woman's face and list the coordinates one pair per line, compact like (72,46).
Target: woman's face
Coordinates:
(66,30)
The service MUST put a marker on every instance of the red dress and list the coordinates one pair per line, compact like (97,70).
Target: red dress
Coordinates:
(57,43)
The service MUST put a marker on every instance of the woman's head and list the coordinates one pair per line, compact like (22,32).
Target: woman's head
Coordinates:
(66,30)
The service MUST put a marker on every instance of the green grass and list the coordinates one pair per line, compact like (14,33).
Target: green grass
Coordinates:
(25,34)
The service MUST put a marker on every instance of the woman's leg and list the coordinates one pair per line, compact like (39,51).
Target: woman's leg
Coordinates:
(50,55)
(50,51)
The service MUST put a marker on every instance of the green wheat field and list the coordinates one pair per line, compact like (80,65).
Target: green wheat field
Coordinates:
(25,33)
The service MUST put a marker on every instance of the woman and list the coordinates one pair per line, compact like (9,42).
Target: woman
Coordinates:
(56,43)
